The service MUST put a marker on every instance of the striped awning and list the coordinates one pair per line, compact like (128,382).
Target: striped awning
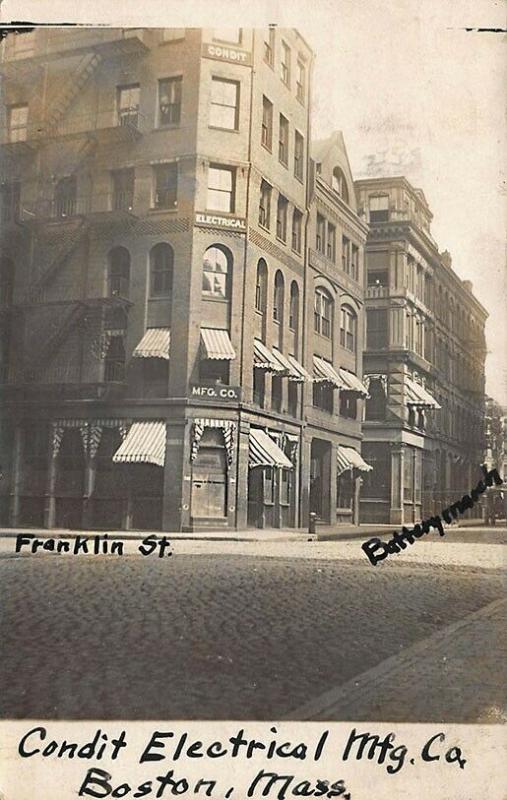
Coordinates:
(352,383)
(348,458)
(264,452)
(154,344)
(216,345)
(199,426)
(144,444)
(302,374)
(417,396)
(286,365)
(324,372)
(264,358)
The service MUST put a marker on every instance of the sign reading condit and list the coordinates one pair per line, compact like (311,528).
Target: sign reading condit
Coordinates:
(231,394)
(212,220)
(226,53)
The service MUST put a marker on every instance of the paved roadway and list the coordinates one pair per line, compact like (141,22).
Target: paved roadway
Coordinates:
(226,636)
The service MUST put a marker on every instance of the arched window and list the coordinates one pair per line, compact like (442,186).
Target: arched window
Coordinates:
(339,184)
(161,270)
(323,313)
(261,283)
(6,281)
(215,272)
(278,298)
(294,306)
(348,328)
(119,272)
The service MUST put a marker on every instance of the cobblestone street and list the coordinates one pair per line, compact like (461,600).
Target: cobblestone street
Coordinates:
(214,636)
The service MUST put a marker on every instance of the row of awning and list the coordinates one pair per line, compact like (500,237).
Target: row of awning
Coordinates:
(156,342)
(419,397)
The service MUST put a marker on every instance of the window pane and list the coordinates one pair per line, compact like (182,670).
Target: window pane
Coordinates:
(220,179)
(219,201)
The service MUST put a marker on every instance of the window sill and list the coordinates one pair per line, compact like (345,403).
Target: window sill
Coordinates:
(223,130)
(286,165)
(264,228)
(282,241)
(169,127)
(214,299)
(296,252)
(222,213)
(268,149)
(300,179)
(166,42)
(163,210)
(160,296)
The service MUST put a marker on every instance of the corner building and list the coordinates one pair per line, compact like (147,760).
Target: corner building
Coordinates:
(423,363)
(157,311)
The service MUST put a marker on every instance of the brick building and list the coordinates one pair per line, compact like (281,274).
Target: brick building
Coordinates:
(174,356)
(423,362)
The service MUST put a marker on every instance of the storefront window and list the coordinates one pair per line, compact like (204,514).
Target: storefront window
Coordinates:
(408,477)
(344,485)
(269,486)
(285,486)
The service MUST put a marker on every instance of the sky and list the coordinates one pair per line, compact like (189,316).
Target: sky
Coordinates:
(413,92)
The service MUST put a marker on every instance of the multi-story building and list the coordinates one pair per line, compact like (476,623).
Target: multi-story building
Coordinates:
(159,316)
(423,362)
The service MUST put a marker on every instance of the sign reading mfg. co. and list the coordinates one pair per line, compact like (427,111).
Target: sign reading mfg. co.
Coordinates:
(231,394)
(227,53)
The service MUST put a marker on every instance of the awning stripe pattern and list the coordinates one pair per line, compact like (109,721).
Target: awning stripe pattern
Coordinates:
(264,452)
(303,375)
(216,345)
(348,458)
(417,396)
(144,444)
(228,427)
(154,344)
(352,383)
(264,358)
(324,372)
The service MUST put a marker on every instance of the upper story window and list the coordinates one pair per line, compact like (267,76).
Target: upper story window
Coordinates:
(123,189)
(161,270)
(354,262)
(128,104)
(339,184)
(285,64)
(283,140)
(346,255)
(348,328)
(294,306)
(261,285)
(278,298)
(377,328)
(173,34)
(267,123)
(297,219)
(166,185)
(379,208)
(221,188)
(265,204)
(281,217)
(66,196)
(114,361)
(299,149)
(215,271)
(323,313)
(331,242)
(301,81)
(169,101)
(269,47)
(119,272)
(320,241)
(231,35)
(376,403)
(17,122)
(378,278)
(10,194)
(224,109)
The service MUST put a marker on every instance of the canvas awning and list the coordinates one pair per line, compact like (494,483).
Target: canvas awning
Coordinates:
(324,372)
(418,396)
(303,375)
(352,383)
(216,345)
(264,452)
(264,358)
(154,344)
(143,444)
(348,458)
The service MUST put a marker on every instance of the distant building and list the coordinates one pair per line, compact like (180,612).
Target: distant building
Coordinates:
(423,362)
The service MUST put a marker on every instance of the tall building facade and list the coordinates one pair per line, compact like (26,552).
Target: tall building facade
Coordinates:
(176,343)
(423,362)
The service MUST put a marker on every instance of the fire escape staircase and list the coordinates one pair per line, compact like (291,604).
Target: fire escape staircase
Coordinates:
(34,369)
(73,87)
(54,255)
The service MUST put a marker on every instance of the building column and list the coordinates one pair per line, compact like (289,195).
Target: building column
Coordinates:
(177,478)
(304,481)
(397,474)
(357,483)
(16,475)
(241,485)
(332,485)
(50,504)
(89,486)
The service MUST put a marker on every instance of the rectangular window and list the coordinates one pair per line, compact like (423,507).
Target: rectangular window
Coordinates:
(259,387)
(354,262)
(297,219)
(265,205)
(66,196)
(299,148)
(379,208)
(344,490)
(408,477)
(285,486)
(128,104)
(321,234)
(276,393)
(331,242)
(293,398)
(17,121)
(323,397)
(214,371)
(285,64)
(224,108)
(300,81)
(123,189)
(283,140)
(221,188)
(348,405)
(169,101)
(166,185)
(281,217)
(376,328)
(267,123)
(231,35)
(322,313)
(269,47)
(10,201)
(346,255)
(269,486)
